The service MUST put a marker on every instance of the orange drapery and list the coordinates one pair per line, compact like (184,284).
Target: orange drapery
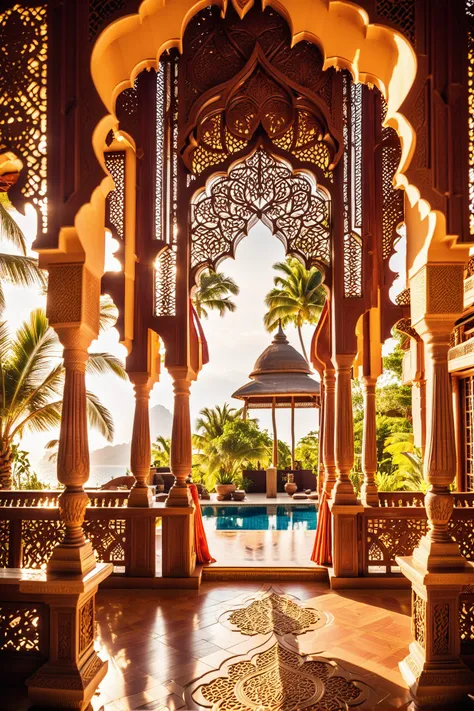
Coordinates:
(322,545)
(200,540)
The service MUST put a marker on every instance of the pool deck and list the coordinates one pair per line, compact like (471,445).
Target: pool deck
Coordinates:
(258,500)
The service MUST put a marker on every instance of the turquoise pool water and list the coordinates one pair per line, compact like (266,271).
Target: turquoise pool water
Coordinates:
(260,518)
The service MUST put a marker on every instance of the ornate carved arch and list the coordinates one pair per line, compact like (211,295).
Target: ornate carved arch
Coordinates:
(264,187)
(243,79)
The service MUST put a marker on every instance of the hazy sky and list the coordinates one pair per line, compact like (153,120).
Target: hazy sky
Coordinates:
(235,342)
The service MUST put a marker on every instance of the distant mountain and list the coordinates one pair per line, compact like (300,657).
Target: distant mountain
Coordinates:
(161,421)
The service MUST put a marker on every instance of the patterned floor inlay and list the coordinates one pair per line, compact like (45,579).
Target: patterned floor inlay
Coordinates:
(272,611)
(273,677)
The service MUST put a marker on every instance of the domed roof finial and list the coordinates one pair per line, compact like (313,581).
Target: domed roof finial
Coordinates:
(280,336)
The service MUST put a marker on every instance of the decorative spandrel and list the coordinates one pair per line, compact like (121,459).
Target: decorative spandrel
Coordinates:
(261,187)
(23,111)
(393,213)
(242,77)
(115,204)
(165,283)
(401,13)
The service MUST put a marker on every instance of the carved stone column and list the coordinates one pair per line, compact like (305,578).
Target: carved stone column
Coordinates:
(74,554)
(343,492)
(437,570)
(344,505)
(140,456)
(329,461)
(369,493)
(181,439)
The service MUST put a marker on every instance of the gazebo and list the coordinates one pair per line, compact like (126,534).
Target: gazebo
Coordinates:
(280,379)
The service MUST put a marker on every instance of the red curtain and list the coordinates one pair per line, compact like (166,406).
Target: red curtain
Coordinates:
(200,540)
(322,545)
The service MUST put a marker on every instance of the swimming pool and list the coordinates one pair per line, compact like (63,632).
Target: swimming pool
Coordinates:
(260,518)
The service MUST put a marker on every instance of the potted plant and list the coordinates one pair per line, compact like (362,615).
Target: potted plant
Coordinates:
(225,485)
(290,486)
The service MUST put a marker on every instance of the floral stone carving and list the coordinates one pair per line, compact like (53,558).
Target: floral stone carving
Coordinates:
(273,612)
(273,677)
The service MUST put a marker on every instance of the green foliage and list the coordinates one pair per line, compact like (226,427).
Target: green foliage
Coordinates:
(160,452)
(297,297)
(224,477)
(240,444)
(307,451)
(23,477)
(407,461)
(32,381)
(214,293)
(16,269)
(243,483)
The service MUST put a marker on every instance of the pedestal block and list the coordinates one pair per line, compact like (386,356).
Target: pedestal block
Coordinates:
(70,677)
(142,553)
(345,553)
(179,557)
(433,669)
(271,483)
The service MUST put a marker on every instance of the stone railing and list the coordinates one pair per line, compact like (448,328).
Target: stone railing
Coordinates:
(127,537)
(49,499)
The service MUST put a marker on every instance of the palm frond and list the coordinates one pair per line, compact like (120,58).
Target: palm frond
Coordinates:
(21,271)
(104,364)
(99,417)
(9,229)
(108,313)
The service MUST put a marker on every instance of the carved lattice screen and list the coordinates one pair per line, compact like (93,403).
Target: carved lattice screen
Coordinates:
(260,187)
(23,65)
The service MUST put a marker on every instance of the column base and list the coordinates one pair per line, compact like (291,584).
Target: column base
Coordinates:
(433,670)
(179,495)
(70,677)
(271,483)
(369,495)
(75,560)
(140,496)
(436,685)
(53,686)
(345,553)
(432,556)
(343,493)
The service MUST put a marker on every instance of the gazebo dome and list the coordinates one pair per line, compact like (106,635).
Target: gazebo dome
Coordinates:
(280,357)
(280,378)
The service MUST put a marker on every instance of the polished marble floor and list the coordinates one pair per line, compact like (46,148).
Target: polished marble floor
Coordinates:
(158,643)
(168,650)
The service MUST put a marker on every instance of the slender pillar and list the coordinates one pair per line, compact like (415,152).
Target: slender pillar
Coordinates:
(275,436)
(437,549)
(140,456)
(458,428)
(343,492)
(422,385)
(437,570)
(74,554)
(369,493)
(181,439)
(328,432)
(293,434)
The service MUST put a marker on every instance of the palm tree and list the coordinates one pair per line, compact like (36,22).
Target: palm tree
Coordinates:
(161,451)
(16,268)
(211,422)
(213,293)
(297,297)
(31,382)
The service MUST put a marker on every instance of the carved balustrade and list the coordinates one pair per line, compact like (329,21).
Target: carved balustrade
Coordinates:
(30,527)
